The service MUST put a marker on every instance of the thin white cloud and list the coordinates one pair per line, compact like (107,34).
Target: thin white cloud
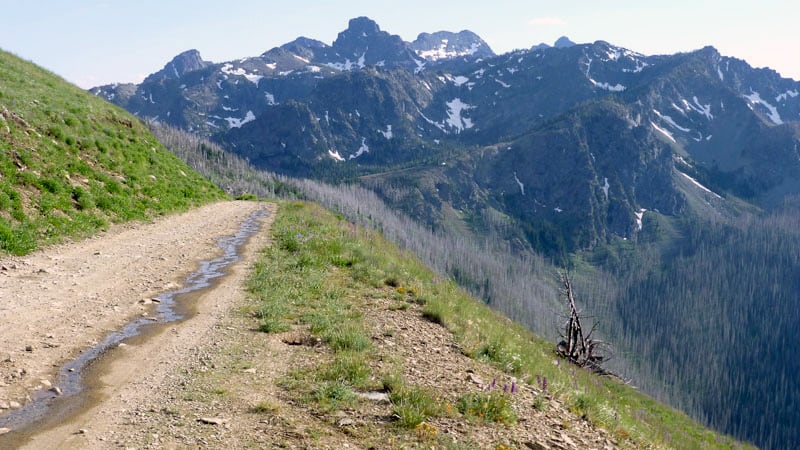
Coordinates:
(547,21)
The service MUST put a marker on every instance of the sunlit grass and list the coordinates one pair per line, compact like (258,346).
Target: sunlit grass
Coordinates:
(71,163)
(321,269)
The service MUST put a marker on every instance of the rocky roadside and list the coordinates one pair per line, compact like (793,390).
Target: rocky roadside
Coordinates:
(232,391)
(215,381)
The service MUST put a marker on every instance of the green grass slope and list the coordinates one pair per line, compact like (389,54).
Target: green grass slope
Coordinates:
(317,253)
(71,163)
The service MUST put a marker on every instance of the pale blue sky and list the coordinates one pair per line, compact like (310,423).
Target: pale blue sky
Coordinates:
(93,42)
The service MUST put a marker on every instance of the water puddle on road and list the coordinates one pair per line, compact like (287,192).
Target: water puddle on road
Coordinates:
(72,394)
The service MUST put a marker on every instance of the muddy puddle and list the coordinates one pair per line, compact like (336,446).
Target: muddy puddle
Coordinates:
(78,381)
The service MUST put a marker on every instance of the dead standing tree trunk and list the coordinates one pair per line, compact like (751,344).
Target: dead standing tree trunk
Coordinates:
(577,347)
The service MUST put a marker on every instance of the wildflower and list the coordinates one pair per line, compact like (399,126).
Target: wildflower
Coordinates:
(513,387)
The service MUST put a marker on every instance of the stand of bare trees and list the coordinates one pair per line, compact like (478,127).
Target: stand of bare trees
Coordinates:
(520,286)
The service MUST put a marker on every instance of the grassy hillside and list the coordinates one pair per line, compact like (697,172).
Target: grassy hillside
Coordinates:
(323,276)
(71,163)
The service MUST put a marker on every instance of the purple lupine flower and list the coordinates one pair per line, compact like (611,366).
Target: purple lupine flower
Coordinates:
(544,384)
(513,387)
(505,388)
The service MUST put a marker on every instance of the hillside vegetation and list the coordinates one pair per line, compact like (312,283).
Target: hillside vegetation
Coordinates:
(338,284)
(711,316)
(315,249)
(71,163)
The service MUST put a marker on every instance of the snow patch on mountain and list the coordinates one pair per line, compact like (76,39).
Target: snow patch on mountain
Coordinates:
(505,85)
(335,155)
(361,150)
(602,85)
(755,99)
(441,52)
(640,65)
(270,99)
(228,69)
(786,95)
(671,122)
(302,59)
(388,133)
(459,80)
(348,65)
(605,187)
(639,216)
(432,122)
(611,88)
(663,131)
(613,53)
(702,188)
(455,109)
(700,108)
(235,122)
(519,183)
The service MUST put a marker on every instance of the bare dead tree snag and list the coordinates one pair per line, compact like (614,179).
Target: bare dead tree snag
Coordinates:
(579,348)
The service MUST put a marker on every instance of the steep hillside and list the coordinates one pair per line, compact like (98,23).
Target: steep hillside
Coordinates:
(71,163)
(601,159)
(376,351)
(522,288)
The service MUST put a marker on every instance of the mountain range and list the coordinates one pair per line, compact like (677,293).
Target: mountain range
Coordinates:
(636,171)
(570,144)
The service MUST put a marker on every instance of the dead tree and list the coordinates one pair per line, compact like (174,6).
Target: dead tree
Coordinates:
(579,348)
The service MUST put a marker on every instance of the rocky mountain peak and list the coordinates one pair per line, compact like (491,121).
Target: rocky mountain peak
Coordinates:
(358,31)
(447,45)
(183,63)
(303,42)
(304,47)
(364,43)
(563,42)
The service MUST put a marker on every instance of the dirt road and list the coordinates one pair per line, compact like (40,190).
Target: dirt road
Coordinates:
(57,302)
